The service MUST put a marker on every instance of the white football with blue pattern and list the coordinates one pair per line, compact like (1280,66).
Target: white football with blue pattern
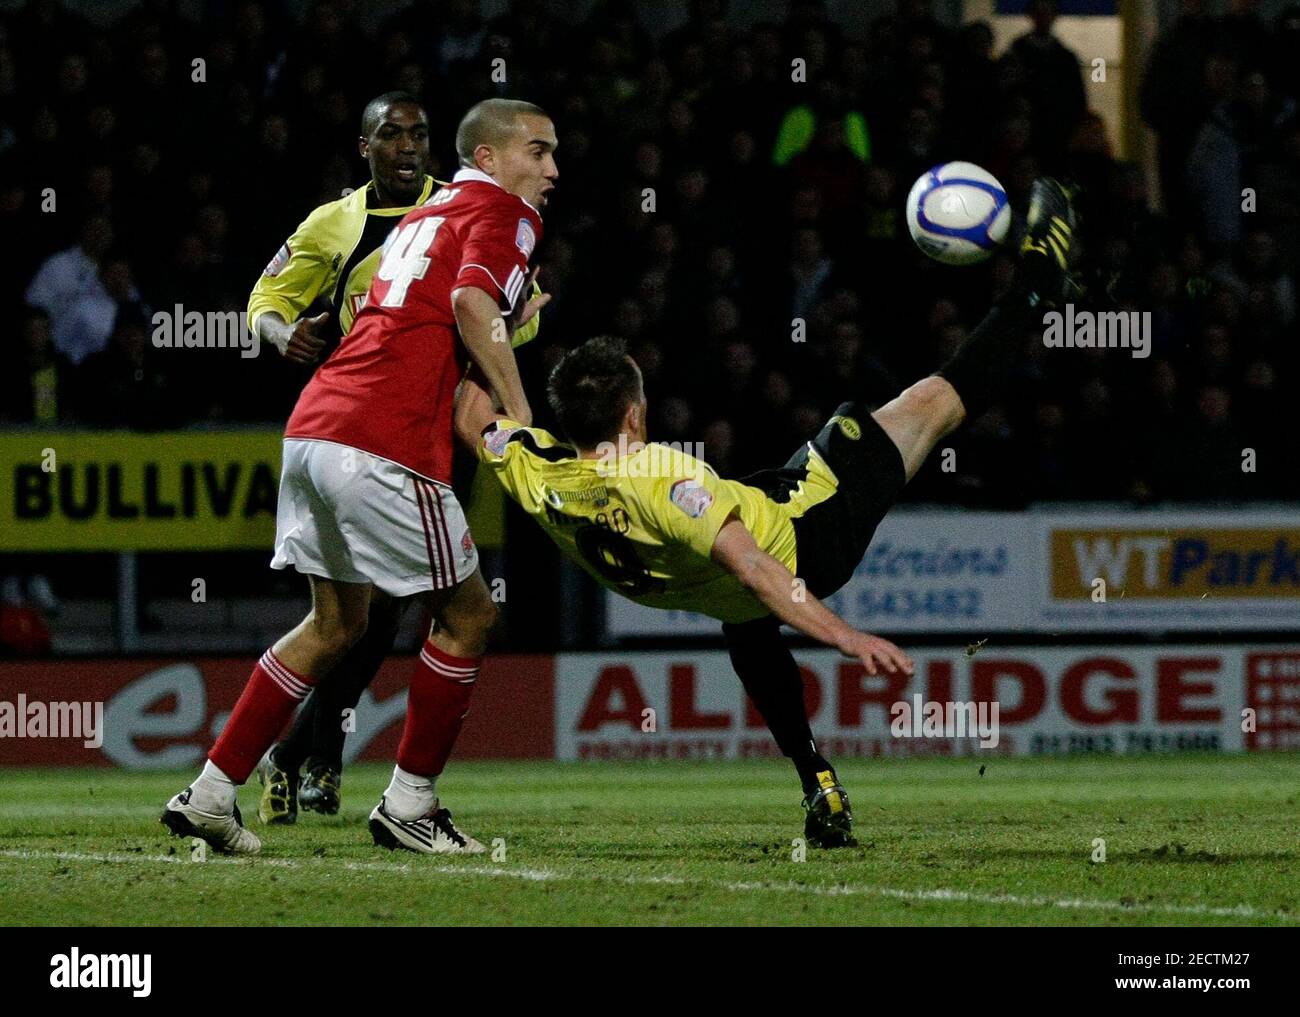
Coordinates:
(958,213)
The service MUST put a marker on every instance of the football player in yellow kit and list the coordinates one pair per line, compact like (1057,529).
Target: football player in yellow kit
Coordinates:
(663,529)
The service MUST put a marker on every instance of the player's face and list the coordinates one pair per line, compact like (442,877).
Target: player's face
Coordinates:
(525,165)
(398,153)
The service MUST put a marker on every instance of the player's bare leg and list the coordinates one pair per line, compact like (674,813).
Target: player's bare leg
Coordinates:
(410,815)
(924,414)
(279,682)
(919,418)
(337,619)
(314,745)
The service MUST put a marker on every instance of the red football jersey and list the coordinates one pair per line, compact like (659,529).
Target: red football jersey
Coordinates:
(390,386)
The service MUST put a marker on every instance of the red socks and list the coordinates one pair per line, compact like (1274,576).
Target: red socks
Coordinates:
(264,707)
(435,708)
(437,704)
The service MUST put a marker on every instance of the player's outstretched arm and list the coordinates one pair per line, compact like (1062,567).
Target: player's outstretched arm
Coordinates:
(486,337)
(736,550)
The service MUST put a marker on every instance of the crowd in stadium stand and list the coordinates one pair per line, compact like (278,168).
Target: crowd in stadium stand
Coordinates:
(135,187)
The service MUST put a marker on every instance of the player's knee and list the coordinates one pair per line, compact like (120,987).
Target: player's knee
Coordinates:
(934,402)
(338,633)
(468,631)
(479,628)
(934,398)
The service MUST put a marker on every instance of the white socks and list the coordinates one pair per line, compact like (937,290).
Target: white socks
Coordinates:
(213,791)
(409,797)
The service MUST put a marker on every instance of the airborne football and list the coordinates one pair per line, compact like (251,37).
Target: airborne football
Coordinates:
(958,213)
(616,464)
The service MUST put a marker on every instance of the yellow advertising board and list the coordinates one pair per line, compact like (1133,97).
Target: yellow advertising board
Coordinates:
(123,491)
(176,491)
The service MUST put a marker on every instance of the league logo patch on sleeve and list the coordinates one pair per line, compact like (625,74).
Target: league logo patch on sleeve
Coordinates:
(525,238)
(496,440)
(276,265)
(691,497)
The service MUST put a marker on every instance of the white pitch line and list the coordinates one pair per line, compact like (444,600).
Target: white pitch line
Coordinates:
(940,895)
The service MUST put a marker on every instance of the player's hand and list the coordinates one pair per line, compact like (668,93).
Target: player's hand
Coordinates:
(873,651)
(525,310)
(307,339)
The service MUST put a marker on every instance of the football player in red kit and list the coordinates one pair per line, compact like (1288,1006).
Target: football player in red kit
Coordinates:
(365,497)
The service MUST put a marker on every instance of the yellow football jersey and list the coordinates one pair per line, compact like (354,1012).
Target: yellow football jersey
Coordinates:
(335,252)
(643,524)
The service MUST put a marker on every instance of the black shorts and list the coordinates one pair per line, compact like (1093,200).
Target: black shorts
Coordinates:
(832,536)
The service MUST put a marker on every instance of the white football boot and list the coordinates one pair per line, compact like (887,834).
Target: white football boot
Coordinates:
(432,834)
(224,833)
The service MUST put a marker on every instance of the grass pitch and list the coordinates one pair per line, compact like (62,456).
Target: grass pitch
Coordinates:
(1189,840)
